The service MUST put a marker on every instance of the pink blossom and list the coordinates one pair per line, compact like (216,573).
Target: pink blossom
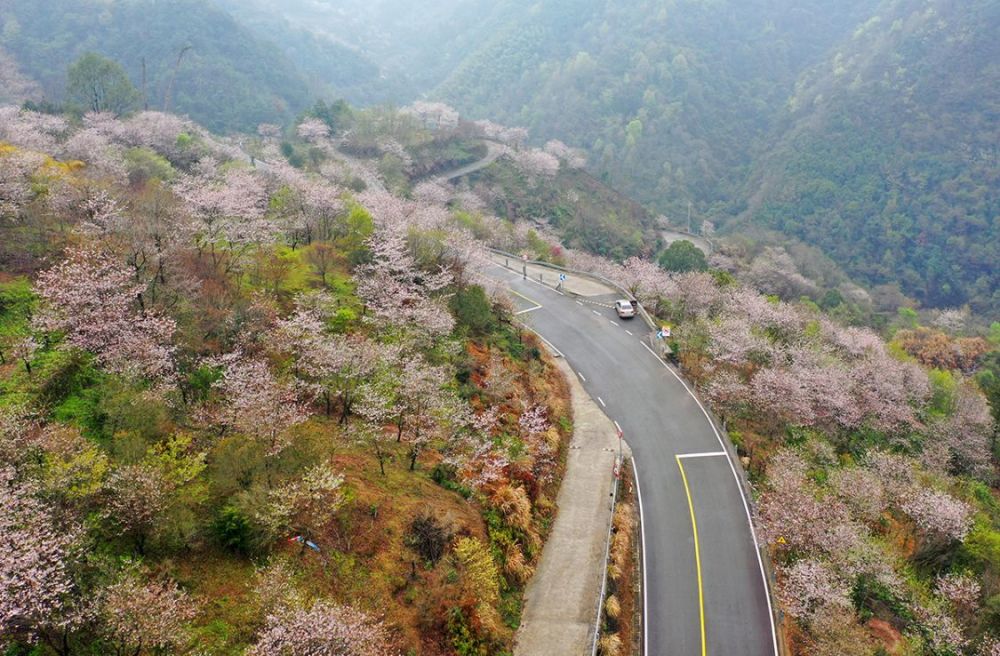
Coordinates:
(397,291)
(32,130)
(256,403)
(534,420)
(137,495)
(537,162)
(962,591)
(324,628)
(944,633)
(98,305)
(939,514)
(313,130)
(574,158)
(16,171)
(36,585)
(137,614)
(808,585)
(863,491)
(434,115)
(15,86)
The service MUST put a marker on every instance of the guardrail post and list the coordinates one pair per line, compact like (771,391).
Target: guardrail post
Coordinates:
(524,271)
(540,278)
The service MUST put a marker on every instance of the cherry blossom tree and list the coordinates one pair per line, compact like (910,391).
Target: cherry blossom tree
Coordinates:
(960,443)
(397,291)
(961,590)
(16,169)
(313,130)
(140,616)
(335,366)
(573,158)
(938,514)
(256,403)
(808,585)
(32,130)
(435,115)
(414,399)
(537,162)
(98,305)
(323,629)
(15,87)
(230,213)
(37,591)
(137,496)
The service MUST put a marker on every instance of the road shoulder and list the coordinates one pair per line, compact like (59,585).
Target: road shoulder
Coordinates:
(560,602)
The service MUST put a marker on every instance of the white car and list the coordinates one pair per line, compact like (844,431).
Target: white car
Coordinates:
(625,309)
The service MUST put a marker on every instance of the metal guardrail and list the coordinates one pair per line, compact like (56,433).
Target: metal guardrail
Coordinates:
(607,555)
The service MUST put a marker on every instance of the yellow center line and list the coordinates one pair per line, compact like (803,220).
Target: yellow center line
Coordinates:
(697,556)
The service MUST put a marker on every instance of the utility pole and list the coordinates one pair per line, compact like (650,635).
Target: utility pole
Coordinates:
(173,78)
(145,97)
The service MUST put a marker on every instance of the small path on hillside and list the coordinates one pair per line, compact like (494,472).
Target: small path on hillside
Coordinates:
(560,602)
(670,236)
(493,152)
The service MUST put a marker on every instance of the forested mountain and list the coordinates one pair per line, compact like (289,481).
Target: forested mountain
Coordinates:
(228,79)
(888,160)
(335,69)
(867,129)
(859,121)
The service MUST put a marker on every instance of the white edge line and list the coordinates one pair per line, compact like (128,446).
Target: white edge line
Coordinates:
(581,376)
(707,454)
(743,497)
(537,307)
(618,427)
(645,586)
(547,342)
(646,346)
(603,405)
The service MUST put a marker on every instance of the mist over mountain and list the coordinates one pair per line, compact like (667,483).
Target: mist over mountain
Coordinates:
(860,121)
(228,79)
(866,128)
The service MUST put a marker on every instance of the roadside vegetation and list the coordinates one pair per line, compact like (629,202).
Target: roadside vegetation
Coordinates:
(257,410)
(264,388)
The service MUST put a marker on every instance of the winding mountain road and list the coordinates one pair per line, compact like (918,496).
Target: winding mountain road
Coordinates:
(705,591)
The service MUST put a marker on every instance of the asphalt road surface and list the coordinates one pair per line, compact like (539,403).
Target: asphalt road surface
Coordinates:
(705,591)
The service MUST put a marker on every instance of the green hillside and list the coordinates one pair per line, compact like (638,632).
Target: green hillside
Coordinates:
(889,158)
(866,128)
(228,80)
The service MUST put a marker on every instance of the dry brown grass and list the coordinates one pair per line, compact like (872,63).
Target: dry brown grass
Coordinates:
(610,645)
(612,607)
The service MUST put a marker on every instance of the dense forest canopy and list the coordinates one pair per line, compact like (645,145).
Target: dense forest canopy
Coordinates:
(866,128)
(861,121)
(227,78)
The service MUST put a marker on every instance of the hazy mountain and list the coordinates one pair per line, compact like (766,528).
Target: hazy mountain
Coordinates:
(336,67)
(229,78)
(867,128)
(888,159)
